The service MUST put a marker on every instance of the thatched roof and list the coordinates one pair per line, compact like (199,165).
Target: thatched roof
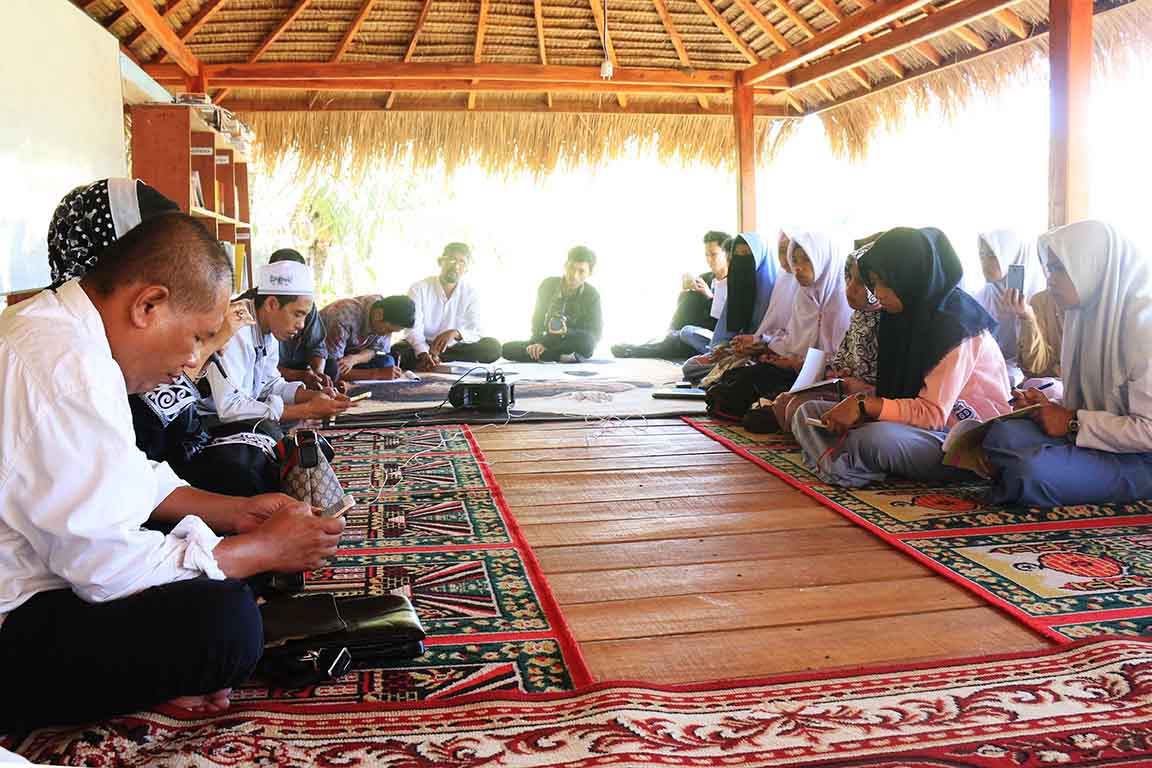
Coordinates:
(521,123)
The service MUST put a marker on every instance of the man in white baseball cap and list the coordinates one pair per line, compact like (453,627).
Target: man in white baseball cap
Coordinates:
(247,385)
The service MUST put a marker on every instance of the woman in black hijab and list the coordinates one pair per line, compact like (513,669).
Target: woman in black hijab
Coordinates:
(937,364)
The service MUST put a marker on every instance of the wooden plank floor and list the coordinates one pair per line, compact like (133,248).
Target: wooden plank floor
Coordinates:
(676,561)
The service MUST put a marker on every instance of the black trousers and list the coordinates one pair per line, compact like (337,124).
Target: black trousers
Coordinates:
(517,351)
(486,350)
(65,661)
(332,369)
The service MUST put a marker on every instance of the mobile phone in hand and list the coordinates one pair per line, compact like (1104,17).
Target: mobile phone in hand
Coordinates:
(1015,277)
(361,396)
(339,507)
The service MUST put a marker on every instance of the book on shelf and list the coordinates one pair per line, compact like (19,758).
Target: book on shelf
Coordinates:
(197,190)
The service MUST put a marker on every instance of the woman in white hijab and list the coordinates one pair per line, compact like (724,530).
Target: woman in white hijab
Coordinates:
(1096,446)
(999,250)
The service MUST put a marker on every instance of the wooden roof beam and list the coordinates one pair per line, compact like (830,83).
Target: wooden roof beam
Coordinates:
(732,35)
(538,12)
(353,30)
(609,47)
(170,10)
(272,37)
(478,50)
(760,20)
(947,20)
(411,49)
(482,85)
(962,32)
(677,41)
(699,78)
(860,77)
(796,18)
(923,48)
(825,90)
(145,13)
(868,20)
(455,105)
(202,17)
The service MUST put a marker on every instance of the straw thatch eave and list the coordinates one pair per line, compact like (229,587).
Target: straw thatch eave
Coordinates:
(341,113)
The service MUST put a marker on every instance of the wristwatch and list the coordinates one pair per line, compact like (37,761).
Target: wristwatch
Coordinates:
(862,398)
(1073,429)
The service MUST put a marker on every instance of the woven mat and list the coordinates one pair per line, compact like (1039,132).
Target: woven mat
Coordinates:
(1088,704)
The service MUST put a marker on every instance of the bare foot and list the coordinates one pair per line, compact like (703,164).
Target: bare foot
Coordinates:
(208,704)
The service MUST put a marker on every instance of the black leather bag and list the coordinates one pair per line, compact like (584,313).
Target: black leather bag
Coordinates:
(740,388)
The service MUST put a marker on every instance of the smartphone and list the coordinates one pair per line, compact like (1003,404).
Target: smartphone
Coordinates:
(361,396)
(1016,277)
(338,508)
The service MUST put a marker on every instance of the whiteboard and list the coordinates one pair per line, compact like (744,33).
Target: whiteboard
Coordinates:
(63,125)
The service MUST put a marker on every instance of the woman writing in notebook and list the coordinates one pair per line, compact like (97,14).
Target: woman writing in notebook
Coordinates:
(937,364)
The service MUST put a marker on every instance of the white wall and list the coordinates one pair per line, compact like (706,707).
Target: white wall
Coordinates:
(62,124)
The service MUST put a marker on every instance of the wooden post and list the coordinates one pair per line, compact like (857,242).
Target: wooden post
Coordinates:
(743,112)
(1070,65)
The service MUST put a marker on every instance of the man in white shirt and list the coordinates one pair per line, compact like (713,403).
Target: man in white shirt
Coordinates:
(99,615)
(247,384)
(447,325)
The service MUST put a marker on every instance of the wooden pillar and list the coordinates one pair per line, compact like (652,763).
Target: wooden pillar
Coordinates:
(1070,65)
(743,112)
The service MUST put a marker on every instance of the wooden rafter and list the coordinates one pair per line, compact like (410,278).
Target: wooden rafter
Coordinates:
(1014,23)
(273,36)
(202,17)
(949,19)
(170,9)
(861,78)
(962,32)
(700,78)
(796,18)
(353,30)
(732,35)
(677,41)
(145,13)
(478,50)
(456,105)
(925,49)
(868,20)
(609,47)
(825,90)
(410,51)
(538,12)
(760,20)
(349,36)
(114,19)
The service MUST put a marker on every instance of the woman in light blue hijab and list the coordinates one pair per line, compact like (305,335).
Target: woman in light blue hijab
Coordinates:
(752,271)
(1095,447)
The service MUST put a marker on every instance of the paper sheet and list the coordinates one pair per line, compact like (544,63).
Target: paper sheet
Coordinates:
(812,371)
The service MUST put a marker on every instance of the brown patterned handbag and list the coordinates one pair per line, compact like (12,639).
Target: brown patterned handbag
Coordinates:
(305,472)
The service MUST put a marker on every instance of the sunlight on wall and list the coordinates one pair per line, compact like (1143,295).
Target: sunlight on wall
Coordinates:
(987,168)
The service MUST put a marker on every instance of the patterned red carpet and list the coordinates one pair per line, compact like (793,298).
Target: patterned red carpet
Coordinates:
(1081,705)
(1069,573)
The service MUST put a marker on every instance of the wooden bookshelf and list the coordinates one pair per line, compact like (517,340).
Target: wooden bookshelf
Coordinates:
(169,143)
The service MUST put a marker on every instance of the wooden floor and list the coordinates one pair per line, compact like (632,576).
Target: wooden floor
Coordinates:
(677,561)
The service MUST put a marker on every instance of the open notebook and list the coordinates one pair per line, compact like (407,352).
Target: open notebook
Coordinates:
(964,446)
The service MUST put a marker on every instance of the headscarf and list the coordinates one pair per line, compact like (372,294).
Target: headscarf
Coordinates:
(750,283)
(88,220)
(1010,249)
(774,324)
(819,313)
(1108,337)
(92,217)
(922,268)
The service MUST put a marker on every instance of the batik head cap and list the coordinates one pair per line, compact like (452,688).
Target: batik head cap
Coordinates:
(284,278)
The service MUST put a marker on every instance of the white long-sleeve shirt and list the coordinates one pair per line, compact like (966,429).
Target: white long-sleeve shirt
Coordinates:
(436,312)
(1122,434)
(253,387)
(74,488)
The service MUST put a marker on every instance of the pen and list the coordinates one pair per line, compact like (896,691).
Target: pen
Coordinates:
(1038,389)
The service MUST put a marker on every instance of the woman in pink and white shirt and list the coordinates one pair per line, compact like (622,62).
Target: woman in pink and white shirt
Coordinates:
(938,364)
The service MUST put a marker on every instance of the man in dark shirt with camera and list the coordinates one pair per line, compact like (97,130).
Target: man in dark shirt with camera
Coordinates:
(567,323)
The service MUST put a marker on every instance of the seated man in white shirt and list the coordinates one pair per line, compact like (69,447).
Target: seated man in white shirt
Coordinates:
(447,325)
(247,386)
(99,615)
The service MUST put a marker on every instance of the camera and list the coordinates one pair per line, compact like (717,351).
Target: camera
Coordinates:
(557,323)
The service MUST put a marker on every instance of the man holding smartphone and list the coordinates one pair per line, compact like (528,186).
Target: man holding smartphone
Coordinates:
(567,321)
